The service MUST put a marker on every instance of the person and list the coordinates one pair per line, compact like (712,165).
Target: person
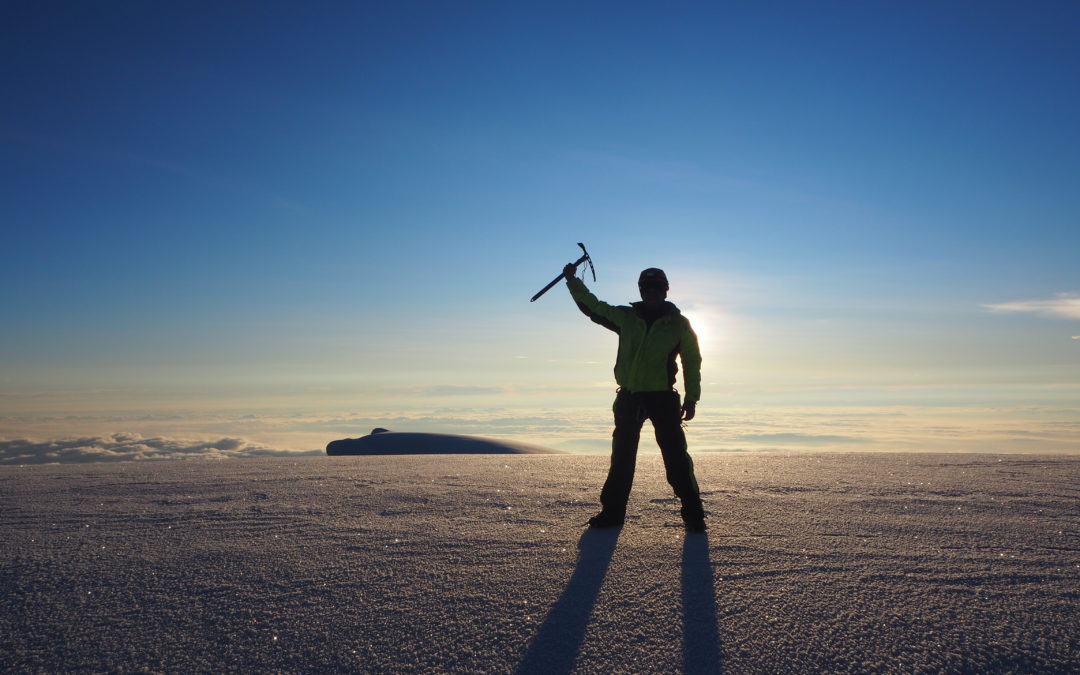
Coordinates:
(651,334)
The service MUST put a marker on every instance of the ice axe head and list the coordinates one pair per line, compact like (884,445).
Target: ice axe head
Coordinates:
(583,259)
(587,260)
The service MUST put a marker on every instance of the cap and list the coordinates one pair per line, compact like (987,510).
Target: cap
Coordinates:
(653,277)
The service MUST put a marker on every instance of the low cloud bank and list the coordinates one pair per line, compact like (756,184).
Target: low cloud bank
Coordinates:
(123,447)
(812,439)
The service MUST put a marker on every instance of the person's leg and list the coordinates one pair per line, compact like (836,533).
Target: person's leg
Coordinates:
(665,412)
(629,416)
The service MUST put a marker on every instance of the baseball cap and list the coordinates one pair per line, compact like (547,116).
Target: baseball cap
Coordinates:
(653,277)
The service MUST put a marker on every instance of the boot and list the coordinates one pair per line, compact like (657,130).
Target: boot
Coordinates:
(694,525)
(605,519)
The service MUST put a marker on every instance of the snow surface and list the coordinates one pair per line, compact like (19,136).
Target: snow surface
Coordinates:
(473,563)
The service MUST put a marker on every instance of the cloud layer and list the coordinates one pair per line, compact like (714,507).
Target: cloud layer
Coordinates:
(130,447)
(1064,306)
(799,439)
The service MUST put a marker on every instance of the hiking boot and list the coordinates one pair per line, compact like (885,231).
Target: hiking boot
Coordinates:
(695,525)
(606,520)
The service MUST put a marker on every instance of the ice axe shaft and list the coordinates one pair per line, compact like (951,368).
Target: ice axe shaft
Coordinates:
(582,259)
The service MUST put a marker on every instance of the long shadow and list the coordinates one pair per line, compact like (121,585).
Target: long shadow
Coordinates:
(555,647)
(701,637)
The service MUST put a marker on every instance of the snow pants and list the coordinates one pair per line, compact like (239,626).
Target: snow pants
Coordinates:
(664,410)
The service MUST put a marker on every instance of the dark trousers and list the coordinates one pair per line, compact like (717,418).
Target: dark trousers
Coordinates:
(631,411)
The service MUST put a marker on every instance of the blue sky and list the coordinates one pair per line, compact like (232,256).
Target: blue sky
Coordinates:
(274,205)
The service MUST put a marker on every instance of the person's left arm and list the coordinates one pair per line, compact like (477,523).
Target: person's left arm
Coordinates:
(690,355)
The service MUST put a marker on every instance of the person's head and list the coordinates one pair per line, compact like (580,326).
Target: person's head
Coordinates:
(653,286)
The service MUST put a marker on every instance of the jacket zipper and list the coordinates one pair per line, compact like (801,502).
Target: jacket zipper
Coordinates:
(641,349)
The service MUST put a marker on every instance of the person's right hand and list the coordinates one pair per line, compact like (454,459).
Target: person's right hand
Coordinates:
(570,271)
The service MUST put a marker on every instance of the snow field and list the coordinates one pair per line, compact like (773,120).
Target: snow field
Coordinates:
(481,563)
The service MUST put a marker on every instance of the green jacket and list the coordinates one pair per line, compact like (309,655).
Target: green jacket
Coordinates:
(647,352)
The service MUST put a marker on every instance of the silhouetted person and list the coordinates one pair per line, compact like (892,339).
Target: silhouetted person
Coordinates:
(651,333)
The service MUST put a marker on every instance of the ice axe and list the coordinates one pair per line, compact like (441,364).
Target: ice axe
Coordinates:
(583,259)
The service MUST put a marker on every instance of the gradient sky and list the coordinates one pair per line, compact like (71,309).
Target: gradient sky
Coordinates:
(346,206)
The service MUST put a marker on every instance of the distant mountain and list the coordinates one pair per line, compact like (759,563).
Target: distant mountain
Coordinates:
(385,442)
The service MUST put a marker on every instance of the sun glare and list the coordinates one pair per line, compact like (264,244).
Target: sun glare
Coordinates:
(704,325)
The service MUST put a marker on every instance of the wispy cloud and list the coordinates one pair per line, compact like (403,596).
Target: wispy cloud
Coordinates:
(207,177)
(130,447)
(1063,306)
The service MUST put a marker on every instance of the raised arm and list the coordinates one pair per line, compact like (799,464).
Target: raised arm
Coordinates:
(608,316)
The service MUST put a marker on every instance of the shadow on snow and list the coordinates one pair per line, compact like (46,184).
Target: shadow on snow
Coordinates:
(557,643)
(701,637)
